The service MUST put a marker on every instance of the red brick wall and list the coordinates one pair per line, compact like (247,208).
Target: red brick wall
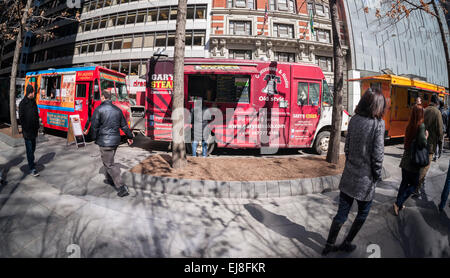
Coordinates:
(219,4)
(302,6)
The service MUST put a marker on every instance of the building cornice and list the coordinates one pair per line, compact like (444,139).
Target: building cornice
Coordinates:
(273,14)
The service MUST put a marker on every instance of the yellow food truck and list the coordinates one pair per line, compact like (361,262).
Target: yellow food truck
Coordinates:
(401,94)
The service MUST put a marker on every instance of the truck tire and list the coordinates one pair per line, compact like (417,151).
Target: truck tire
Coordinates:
(322,142)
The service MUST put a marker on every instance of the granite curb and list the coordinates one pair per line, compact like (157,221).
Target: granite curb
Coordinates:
(234,189)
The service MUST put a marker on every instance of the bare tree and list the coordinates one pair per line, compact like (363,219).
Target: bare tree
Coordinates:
(338,57)
(400,9)
(17,18)
(12,85)
(178,144)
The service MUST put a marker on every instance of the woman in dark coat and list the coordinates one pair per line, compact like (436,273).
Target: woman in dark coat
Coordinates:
(415,130)
(364,152)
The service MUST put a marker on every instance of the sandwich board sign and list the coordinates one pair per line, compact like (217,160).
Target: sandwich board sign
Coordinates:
(75,132)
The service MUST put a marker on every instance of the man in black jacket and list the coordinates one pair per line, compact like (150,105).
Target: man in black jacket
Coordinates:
(29,119)
(106,123)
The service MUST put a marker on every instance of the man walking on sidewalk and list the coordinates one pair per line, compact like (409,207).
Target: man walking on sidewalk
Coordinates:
(106,123)
(433,124)
(29,119)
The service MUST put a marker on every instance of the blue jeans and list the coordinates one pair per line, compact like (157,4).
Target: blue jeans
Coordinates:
(445,192)
(410,182)
(345,204)
(204,148)
(30,145)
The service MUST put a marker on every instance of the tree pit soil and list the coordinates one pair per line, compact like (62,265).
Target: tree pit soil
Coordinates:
(241,168)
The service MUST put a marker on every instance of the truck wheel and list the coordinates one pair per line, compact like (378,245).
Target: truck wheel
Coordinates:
(322,142)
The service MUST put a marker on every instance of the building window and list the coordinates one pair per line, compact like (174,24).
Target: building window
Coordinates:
(108,45)
(199,38)
(285,57)
(141,16)
(163,14)
(149,40)
(200,12)
(99,46)
(103,22)
(117,44)
(325,63)
(249,4)
(134,67)
(318,9)
(152,15)
(121,19)
(91,47)
(161,39)
(131,18)
(283,30)
(171,39)
(322,35)
(127,43)
(112,20)
(283,5)
(240,28)
(137,42)
(240,54)
(173,13)
(95,23)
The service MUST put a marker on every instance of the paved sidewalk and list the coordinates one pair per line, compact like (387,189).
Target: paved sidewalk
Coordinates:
(70,204)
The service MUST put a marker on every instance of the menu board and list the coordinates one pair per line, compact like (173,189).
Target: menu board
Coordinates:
(231,88)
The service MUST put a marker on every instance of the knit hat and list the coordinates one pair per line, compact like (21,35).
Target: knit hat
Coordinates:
(29,89)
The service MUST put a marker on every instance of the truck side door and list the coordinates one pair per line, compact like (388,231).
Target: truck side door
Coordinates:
(305,112)
(82,101)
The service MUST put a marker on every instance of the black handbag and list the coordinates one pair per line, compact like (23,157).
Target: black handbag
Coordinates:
(419,156)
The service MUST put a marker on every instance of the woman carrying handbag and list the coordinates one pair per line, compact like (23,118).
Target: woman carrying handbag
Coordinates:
(415,142)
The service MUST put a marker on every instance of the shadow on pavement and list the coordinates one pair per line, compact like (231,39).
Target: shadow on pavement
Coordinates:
(40,164)
(4,170)
(283,226)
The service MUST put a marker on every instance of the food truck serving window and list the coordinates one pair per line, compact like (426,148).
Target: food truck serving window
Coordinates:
(224,88)
(51,87)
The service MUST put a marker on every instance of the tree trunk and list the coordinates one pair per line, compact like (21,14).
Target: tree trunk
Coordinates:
(444,41)
(12,85)
(178,144)
(335,137)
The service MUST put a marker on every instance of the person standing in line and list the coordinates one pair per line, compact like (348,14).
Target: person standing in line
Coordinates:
(433,124)
(364,153)
(415,130)
(443,112)
(107,121)
(419,100)
(445,191)
(29,119)
(199,120)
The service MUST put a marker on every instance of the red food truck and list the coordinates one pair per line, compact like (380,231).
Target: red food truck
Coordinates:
(255,103)
(69,91)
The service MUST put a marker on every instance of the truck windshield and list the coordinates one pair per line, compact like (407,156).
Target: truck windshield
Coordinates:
(118,89)
(122,91)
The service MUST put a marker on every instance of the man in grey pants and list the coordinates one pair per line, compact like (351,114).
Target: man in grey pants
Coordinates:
(107,121)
